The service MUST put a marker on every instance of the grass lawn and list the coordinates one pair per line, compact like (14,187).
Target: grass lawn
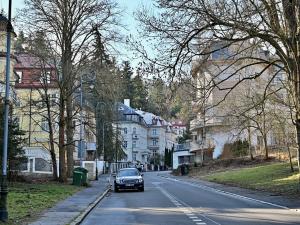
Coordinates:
(27,200)
(275,178)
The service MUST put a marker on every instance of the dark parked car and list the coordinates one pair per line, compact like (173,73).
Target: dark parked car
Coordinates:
(129,178)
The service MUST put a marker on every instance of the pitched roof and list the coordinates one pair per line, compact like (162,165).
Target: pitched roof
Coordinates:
(32,62)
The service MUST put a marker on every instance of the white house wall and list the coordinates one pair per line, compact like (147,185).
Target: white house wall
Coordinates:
(140,150)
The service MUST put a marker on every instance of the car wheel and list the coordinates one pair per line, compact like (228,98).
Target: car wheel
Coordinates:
(116,189)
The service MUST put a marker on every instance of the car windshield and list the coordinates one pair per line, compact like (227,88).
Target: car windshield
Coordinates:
(123,173)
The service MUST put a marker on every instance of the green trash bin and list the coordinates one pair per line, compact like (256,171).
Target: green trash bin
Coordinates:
(77,178)
(83,172)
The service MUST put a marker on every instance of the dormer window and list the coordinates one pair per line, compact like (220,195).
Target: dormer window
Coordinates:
(45,77)
(20,76)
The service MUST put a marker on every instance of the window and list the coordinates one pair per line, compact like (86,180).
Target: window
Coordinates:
(133,144)
(20,76)
(125,144)
(154,132)
(45,77)
(154,142)
(54,99)
(221,53)
(125,130)
(48,77)
(134,156)
(45,125)
(134,130)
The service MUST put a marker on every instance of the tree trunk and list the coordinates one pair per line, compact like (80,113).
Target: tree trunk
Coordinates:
(62,147)
(290,158)
(266,147)
(298,142)
(51,140)
(249,141)
(70,135)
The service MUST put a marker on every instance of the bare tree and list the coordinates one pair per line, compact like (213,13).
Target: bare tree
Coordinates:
(190,29)
(69,26)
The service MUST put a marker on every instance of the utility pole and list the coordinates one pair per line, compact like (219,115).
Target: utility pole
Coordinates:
(4,189)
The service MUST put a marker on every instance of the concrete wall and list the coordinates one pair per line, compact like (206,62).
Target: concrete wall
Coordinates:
(176,156)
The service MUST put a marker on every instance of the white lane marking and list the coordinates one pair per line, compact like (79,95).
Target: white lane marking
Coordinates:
(226,193)
(200,223)
(197,220)
(188,212)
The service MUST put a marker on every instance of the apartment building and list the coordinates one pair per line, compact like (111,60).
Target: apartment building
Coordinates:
(145,135)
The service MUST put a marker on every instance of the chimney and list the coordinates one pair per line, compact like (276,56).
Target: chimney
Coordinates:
(127,102)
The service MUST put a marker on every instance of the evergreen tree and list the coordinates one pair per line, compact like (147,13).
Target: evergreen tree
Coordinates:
(126,76)
(158,98)
(100,54)
(15,150)
(139,93)
(20,42)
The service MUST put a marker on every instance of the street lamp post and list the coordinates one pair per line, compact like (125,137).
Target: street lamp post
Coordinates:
(4,189)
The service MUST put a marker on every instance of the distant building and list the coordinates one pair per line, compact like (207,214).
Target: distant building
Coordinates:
(145,135)
(179,127)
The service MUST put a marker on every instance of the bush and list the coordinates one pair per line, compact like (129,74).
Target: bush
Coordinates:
(236,149)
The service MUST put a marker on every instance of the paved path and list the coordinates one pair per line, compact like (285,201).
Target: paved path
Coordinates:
(66,211)
(168,201)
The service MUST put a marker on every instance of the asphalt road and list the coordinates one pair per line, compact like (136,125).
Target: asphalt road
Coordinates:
(167,201)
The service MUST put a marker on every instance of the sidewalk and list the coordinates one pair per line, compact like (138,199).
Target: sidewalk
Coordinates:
(285,201)
(76,206)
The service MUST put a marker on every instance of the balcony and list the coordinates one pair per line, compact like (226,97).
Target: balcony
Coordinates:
(183,147)
(199,123)
(197,145)
(153,135)
(153,147)
(91,146)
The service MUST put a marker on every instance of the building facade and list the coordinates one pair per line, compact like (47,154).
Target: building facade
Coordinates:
(216,122)
(38,92)
(145,135)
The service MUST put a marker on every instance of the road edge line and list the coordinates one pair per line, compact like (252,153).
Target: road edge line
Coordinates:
(82,215)
(232,194)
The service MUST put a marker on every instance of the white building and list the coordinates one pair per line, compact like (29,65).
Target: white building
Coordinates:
(145,135)
(213,126)
(179,127)
(134,132)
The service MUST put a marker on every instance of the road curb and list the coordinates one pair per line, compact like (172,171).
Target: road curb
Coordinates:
(82,215)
